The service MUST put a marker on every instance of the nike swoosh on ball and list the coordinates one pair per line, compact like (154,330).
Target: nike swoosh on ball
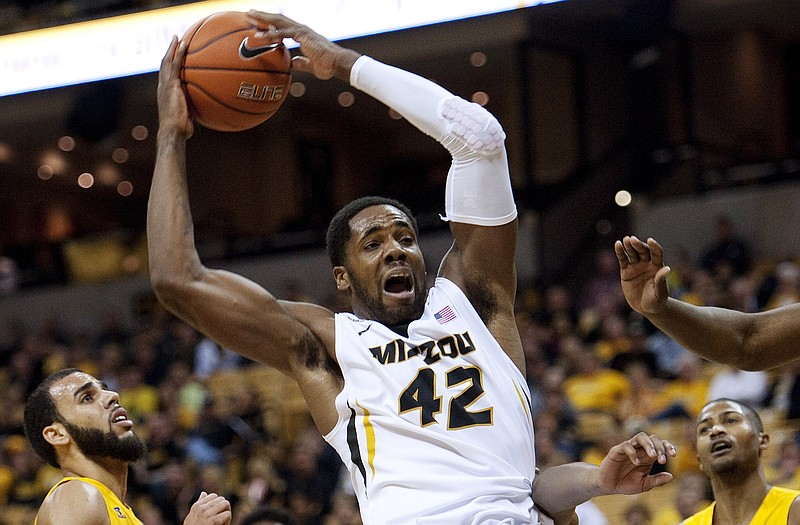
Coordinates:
(252,52)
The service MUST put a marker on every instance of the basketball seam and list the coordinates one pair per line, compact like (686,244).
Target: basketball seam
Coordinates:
(219,37)
(256,70)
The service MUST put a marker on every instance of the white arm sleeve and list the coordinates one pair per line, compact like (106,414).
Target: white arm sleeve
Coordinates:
(478,187)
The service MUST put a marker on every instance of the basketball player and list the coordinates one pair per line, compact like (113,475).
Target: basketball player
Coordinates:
(78,426)
(749,341)
(420,391)
(730,443)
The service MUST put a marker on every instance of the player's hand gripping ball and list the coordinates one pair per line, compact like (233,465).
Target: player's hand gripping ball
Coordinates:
(234,78)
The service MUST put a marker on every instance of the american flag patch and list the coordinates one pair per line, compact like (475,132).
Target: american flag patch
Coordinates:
(445,315)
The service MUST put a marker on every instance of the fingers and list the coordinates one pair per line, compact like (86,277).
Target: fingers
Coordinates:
(632,250)
(656,480)
(653,446)
(214,507)
(177,62)
(166,62)
(660,278)
(173,61)
(637,250)
(301,63)
(274,24)
(656,251)
(622,257)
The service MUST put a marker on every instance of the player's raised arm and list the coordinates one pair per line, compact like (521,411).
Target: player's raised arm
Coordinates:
(232,310)
(479,203)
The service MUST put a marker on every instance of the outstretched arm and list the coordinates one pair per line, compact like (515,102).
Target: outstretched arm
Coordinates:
(479,203)
(624,470)
(750,341)
(232,310)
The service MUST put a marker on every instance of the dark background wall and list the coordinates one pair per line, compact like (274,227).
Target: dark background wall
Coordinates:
(661,98)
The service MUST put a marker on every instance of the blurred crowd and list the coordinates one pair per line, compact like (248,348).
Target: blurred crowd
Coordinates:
(597,372)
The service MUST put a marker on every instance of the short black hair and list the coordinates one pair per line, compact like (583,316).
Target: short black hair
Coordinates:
(41,411)
(268,514)
(339,228)
(749,412)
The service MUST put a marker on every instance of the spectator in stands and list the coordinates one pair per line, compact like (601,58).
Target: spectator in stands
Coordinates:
(686,462)
(594,387)
(110,362)
(691,495)
(313,468)
(345,510)
(211,436)
(787,286)
(209,357)
(728,254)
(784,470)
(683,270)
(260,486)
(637,352)
(11,406)
(190,393)
(603,284)
(170,489)
(138,397)
(164,439)
(786,391)
(637,514)
(146,353)
(558,313)
(668,352)
(548,453)
(742,294)
(640,403)
(613,338)
(742,385)
(9,276)
(31,477)
(688,391)
(704,290)
(590,514)
(268,516)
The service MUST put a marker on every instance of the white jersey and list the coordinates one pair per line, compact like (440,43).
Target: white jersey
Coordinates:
(435,427)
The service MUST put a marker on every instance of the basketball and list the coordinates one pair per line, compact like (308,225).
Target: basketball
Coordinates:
(233,78)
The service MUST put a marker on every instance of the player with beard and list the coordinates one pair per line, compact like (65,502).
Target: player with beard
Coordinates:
(78,426)
(421,391)
(730,443)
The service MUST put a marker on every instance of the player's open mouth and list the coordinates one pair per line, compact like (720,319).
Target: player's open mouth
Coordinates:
(120,417)
(399,284)
(720,447)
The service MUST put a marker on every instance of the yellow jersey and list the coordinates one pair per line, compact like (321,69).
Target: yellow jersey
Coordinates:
(118,512)
(774,510)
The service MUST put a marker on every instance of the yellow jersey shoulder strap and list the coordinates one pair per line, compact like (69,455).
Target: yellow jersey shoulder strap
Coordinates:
(775,507)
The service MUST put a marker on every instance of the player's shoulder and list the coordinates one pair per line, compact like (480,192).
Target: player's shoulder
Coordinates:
(794,510)
(73,501)
(306,309)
